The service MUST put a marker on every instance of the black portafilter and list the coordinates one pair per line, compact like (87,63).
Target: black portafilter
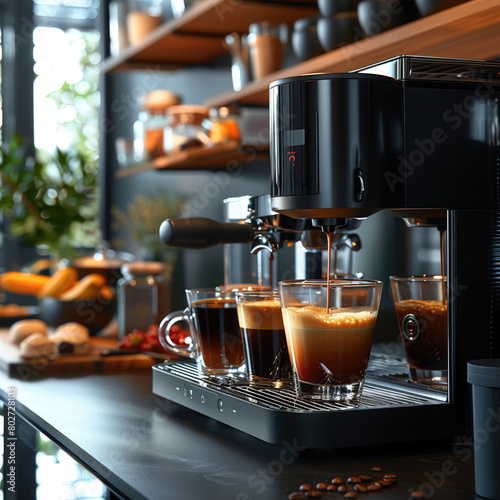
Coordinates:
(199,232)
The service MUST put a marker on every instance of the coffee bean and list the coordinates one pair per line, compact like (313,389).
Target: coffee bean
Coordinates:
(365,478)
(338,480)
(342,488)
(392,477)
(313,494)
(360,488)
(418,494)
(385,483)
(354,480)
(332,487)
(296,495)
(306,487)
(351,494)
(376,486)
(376,468)
(322,486)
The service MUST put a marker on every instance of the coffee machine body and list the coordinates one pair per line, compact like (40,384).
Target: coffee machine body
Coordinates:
(416,136)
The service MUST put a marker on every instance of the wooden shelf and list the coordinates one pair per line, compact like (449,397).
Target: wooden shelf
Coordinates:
(197,36)
(219,157)
(469,30)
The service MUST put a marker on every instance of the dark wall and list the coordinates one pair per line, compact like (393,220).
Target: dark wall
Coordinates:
(203,190)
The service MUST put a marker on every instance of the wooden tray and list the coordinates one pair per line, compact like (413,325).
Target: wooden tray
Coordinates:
(69,364)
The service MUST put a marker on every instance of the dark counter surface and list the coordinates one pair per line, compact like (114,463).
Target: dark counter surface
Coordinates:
(145,447)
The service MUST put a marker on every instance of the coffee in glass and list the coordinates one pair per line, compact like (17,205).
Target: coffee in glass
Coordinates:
(330,334)
(216,338)
(264,341)
(422,311)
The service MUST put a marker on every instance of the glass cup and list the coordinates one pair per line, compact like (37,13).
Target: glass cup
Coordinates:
(330,347)
(422,310)
(216,342)
(264,341)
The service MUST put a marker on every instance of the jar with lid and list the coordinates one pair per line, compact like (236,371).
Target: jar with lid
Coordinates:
(151,122)
(143,296)
(185,128)
(267,48)
(224,124)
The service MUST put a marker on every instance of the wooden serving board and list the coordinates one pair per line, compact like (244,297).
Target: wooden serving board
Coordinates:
(69,364)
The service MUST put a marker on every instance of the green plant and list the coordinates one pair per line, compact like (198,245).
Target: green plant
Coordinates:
(143,218)
(48,200)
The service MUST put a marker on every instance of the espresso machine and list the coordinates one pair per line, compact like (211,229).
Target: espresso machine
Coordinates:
(418,137)
(254,239)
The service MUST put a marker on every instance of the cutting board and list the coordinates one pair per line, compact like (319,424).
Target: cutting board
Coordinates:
(69,364)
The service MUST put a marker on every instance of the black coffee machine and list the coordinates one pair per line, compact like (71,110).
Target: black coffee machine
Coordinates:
(416,136)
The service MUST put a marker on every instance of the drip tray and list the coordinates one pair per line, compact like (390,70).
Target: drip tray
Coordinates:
(277,415)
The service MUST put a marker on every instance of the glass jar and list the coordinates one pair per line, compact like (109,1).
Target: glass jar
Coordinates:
(148,134)
(184,127)
(143,296)
(224,125)
(267,48)
(151,122)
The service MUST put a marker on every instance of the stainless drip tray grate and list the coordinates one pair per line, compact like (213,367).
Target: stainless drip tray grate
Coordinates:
(285,398)
(388,403)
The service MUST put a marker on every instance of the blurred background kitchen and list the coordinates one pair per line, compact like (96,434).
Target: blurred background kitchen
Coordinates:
(125,89)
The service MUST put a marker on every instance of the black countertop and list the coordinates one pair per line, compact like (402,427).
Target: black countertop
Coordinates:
(145,447)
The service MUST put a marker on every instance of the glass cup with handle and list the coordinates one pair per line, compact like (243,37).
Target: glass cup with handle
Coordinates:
(216,342)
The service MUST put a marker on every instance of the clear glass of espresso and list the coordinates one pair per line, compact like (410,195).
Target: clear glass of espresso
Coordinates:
(329,328)
(264,341)
(216,342)
(422,311)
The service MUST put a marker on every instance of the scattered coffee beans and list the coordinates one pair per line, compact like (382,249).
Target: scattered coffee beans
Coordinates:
(350,487)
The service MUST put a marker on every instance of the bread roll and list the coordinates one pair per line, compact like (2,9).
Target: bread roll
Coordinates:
(37,345)
(26,327)
(75,328)
(71,342)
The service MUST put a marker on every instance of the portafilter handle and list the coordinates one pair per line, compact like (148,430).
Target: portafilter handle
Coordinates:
(200,232)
